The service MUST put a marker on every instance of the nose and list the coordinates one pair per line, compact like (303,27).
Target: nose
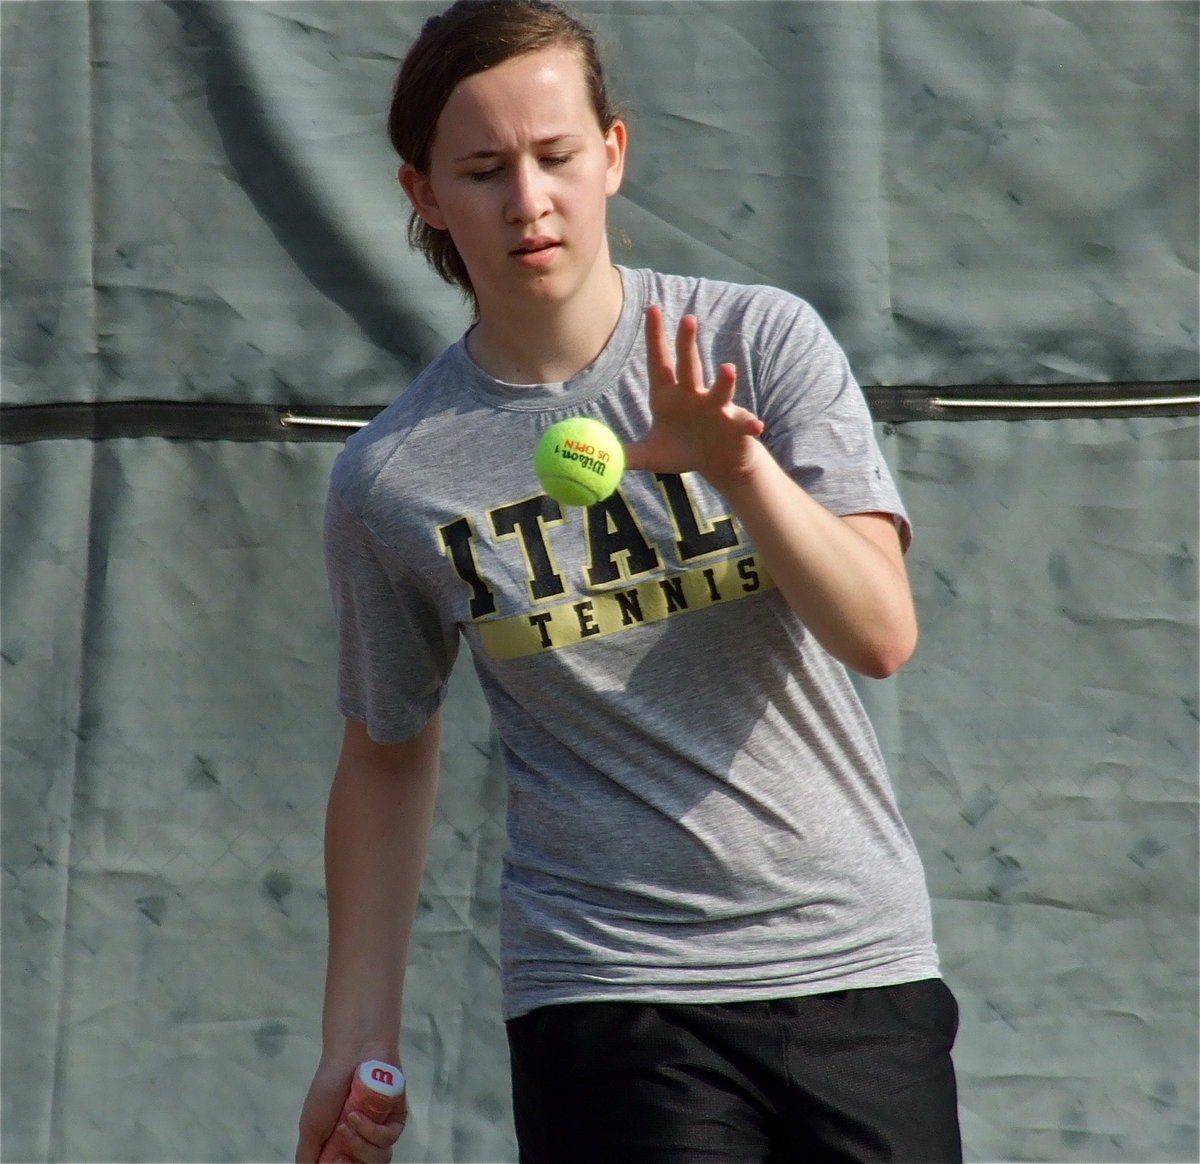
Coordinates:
(528,198)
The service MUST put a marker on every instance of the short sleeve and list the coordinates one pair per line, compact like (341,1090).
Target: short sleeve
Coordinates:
(817,423)
(395,650)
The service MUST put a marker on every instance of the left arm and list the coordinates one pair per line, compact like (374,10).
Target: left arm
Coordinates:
(843,576)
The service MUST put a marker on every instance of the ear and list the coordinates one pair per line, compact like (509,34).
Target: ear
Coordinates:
(614,145)
(420,193)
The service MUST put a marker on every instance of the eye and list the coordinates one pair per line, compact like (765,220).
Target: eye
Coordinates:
(484,175)
(554,160)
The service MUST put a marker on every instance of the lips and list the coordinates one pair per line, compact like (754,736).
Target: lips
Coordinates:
(536,252)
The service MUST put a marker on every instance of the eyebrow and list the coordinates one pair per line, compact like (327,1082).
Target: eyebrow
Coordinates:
(541,143)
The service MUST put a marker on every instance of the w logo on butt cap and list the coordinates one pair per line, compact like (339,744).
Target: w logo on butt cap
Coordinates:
(381,1077)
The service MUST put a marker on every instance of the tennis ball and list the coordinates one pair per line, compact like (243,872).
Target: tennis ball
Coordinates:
(579,461)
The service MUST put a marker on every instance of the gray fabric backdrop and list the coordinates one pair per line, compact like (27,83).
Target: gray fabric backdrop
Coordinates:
(199,206)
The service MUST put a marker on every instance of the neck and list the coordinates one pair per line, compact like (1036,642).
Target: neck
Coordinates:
(521,341)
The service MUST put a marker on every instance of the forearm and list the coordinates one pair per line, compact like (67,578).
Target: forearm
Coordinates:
(376,839)
(844,577)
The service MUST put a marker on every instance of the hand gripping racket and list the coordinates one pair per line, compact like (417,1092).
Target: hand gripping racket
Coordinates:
(376,1091)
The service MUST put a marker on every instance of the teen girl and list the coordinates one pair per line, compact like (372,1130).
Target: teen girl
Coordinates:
(715,930)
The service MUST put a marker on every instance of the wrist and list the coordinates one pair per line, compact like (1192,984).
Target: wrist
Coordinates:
(347,1044)
(745,476)
(343,1060)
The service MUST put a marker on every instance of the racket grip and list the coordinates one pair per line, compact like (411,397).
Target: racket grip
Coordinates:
(376,1091)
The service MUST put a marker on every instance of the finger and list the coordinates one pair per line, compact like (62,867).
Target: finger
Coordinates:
(659,360)
(377,1135)
(689,368)
(748,423)
(725,385)
(742,420)
(357,1149)
(722,393)
(365,1133)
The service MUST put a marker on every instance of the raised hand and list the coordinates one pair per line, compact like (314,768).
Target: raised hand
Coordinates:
(694,427)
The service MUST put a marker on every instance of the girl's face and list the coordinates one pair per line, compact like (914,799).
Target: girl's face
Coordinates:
(520,175)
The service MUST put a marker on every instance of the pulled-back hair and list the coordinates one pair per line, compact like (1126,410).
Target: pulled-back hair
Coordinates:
(469,37)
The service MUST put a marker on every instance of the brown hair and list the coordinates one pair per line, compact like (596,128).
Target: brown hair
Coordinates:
(469,37)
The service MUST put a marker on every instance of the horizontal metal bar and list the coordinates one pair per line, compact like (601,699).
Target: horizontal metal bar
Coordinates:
(327,422)
(1091,404)
(321,421)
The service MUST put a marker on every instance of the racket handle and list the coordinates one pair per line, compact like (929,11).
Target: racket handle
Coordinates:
(376,1091)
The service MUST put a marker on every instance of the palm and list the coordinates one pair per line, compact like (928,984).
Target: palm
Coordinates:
(694,427)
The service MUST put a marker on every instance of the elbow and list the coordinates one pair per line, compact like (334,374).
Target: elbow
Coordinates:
(882,666)
(885,657)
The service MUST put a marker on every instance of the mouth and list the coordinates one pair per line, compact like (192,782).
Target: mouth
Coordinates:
(536,252)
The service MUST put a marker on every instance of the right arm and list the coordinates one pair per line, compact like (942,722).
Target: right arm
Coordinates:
(376,837)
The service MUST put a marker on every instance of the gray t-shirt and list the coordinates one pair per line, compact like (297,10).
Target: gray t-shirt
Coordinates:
(698,809)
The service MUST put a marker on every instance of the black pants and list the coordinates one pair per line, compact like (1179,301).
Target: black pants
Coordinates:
(858,1075)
